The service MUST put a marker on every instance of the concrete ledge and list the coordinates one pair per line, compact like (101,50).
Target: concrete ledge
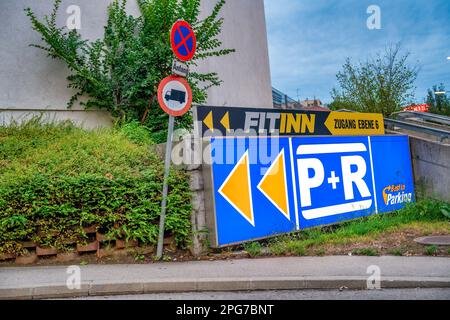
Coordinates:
(355,283)
(290,283)
(230,284)
(114,288)
(170,286)
(408,283)
(16,293)
(47,292)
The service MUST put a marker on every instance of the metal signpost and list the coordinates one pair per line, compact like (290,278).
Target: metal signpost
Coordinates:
(175,98)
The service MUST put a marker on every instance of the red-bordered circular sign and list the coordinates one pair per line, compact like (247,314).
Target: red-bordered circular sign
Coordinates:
(183,41)
(175,96)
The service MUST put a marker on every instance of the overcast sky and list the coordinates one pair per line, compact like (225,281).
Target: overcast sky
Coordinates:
(309,40)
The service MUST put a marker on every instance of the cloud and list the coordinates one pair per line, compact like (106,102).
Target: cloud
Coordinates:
(309,40)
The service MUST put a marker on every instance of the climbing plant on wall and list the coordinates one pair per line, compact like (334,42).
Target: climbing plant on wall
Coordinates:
(121,72)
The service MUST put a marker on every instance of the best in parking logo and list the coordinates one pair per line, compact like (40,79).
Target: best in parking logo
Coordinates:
(395,194)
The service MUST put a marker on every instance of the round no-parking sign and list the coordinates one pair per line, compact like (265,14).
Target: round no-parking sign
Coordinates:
(183,41)
(175,96)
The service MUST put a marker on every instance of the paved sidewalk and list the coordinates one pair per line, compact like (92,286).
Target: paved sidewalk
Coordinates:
(231,275)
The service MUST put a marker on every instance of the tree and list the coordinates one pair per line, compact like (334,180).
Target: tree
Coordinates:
(121,72)
(439,103)
(339,104)
(380,85)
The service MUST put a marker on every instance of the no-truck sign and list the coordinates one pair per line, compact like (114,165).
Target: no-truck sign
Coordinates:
(175,96)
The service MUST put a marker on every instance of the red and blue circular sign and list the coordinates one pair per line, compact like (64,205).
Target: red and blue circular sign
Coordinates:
(183,41)
(175,96)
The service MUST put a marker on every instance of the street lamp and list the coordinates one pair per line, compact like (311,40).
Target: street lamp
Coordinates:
(440,93)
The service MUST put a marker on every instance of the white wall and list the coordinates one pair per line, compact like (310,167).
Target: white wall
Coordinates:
(29,80)
(246,73)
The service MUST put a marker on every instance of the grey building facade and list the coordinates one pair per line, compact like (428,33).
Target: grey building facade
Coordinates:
(31,83)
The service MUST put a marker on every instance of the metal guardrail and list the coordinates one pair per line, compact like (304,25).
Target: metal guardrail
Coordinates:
(440,119)
(346,110)
(443,134)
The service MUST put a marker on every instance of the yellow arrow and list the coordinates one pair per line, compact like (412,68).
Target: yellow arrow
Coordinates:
(208,121)
(274,185)
(237,189)
(355,124)
(226,121)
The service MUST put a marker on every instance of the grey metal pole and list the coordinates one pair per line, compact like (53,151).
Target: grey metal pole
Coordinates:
(162,221)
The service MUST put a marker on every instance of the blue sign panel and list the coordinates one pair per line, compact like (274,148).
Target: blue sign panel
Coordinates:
(244,212)
(269,186)
(334,180)
(393,169)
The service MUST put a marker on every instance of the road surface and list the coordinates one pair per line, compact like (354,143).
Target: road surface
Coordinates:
(386,294)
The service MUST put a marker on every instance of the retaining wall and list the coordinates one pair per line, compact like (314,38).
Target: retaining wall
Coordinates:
(431,164)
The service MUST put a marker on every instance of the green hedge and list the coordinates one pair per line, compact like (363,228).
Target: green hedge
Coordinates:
(57,179)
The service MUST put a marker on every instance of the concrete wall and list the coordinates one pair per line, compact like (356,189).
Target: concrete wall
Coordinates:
(29,80)
(246,73)
(431,168)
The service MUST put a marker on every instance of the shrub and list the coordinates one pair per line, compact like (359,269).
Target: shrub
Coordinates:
(57,179)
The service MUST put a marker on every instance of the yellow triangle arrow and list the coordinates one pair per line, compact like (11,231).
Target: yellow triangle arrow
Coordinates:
(208,121)
(237,189)
(274,186)
(226,121)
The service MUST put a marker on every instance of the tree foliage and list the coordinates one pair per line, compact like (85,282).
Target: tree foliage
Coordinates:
(121,72)
(439,103)
(380,85)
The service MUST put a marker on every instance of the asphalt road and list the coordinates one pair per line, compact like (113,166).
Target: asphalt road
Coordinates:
(385,294)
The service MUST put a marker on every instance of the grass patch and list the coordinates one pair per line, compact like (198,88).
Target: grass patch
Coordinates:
(431,250)
(56,178)
(396,252)
(370,252)
(424,217)
(320,252)
(287,247)
(254,249)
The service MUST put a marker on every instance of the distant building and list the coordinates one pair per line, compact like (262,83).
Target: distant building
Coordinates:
(313,105)
(417,108)
(283,101)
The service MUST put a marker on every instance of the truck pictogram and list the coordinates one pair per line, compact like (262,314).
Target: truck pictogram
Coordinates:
(175,95)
